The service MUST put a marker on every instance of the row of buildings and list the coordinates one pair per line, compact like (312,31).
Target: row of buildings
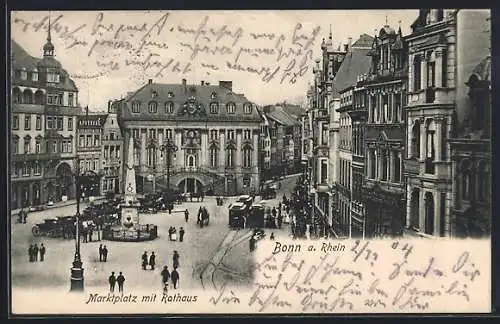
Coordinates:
(197,137)
(397,134)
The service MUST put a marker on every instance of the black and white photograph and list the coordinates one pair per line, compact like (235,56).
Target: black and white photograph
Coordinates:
(293,161)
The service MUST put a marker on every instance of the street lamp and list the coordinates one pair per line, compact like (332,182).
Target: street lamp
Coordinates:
(77,269)
(169,148)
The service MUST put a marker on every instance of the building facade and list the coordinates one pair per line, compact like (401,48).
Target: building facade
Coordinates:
(383,186)
(44,110)
(112,152)
(215,131)
(444,48)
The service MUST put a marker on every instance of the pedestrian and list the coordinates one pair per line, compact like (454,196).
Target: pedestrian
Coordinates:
(105,253)
(165,275)
(90,233)
(202,196)
(144,260)
(175,259)
(35,252)
(280,220)
(252,243)
(274,212)
(170,233)
(170,207)
(42,252)
(272,236)
(20,216)
(175,277)
(181,234)
(25,216)
(152,261)
(100,253)
(112,282)
(186,215)
(84,233)
(120,279)
(30,253)
(174,234)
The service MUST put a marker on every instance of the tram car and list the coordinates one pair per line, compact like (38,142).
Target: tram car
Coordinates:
(238,213)
(256,217)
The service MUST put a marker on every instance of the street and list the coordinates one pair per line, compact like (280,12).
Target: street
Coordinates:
(202,248)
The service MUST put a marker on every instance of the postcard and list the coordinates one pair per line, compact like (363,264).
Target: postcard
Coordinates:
(250,162)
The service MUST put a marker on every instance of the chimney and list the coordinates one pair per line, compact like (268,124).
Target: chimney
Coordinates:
(184,82)
(202,83)
(349,43)
(150,81)
(226,84)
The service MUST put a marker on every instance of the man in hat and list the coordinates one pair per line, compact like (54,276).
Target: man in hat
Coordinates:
(112,282)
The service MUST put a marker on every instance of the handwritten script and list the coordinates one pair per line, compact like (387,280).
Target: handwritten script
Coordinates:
(158,44)
(371,276)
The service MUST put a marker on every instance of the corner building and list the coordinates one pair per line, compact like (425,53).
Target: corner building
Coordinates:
(215,131)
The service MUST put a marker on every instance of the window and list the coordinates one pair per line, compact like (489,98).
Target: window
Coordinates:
(373,108)
(169,107)
(231,108)
(415,141)
(169,133)
(111,136)
(466,181)
(247,108)
(397,107)
(153,107)
(170,94)
(70,123)
(431,74)
(27,122)
(71,99)
(247,157)
(26,170)
(246,134)
(154,94)
(214,107)
(230,157)
(214,95)
(152,133)
(39,97)
(60,124)
(385,108)
(372,163)
(37,170)
(135,133)
(34,75)
(444,75)
(397,168)
(81,141)
(416,73)
(151,156)
(53,77)
(384,165)
(52,99)
(481,182)
(15,122)
(38,122)
(60,97)
(136,107)
(88,142)
(38,146)
(230,135)
(213,134)
(27,96)
(27,146)
(97,140)
(213,156)
(24,74)
(54,146)
(15,145)
(324,171)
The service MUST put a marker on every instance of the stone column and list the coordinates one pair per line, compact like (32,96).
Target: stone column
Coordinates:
(388,155)
(222,155)
(439,69)
(180,151)
(204,149)
(437,213)
(423,140)
(377,173)
(438,138)
(423,72)
(408,205)
(144,160)
(161,161)
(421,210)
(411,57)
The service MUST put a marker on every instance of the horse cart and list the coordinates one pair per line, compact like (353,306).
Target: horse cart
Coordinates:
(203,217)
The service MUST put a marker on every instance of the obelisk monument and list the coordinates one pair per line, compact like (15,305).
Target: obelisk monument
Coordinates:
(130,215)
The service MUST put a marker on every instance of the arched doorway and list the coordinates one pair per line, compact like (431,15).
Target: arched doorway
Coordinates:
(191,185)
(65,182)
(415,209)
(429,213)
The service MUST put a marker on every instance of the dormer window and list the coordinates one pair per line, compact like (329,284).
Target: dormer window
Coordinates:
(231,108)
(169,107)
(154,94)
(136,107)
(248,108)
(24,74)
(53,77)
(214,107)
(170,94)
(214,95)
(153,107)
(34,75)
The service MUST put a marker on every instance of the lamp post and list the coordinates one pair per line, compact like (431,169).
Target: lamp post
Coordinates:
(77,278)
(169,148)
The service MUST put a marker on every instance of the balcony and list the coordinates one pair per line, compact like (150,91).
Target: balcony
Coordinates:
(323,115)
(431,96)
(34,157)
(412,166)
(429,166)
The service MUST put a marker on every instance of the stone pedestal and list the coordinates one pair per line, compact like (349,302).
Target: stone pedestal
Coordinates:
(130,215)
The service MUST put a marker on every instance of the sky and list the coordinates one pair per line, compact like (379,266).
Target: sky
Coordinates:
(268,55)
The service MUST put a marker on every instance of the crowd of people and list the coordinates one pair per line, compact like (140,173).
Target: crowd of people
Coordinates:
(34,250)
